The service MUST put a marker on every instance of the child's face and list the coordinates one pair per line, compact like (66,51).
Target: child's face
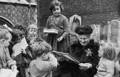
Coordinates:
(32,31)
(57,11)
(100,52)
(5,42)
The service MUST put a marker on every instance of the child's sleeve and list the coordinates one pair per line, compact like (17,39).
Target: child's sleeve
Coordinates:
(66,24)
(10,61)
(110,70)
(47,23)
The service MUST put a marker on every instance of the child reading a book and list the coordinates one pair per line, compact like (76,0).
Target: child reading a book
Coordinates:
(106,64)
(45,61)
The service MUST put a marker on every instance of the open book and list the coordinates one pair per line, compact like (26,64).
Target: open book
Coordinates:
(50,31)
(67,56)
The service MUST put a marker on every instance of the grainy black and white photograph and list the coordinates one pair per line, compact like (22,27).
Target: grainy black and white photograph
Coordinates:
(59,38)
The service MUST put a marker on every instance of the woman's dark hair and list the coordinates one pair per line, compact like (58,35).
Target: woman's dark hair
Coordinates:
(84,30)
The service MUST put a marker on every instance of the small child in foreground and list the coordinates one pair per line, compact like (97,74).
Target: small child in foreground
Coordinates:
(106,64)
(45,61)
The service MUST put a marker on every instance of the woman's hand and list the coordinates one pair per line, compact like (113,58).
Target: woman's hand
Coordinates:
(85,66)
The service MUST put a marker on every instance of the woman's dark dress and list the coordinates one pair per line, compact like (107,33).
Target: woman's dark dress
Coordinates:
(71,69)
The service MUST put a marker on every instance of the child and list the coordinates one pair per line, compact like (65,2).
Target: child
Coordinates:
(59,22)
(45,61)
(32,31)
(106,63)
(6,62)
(19,49)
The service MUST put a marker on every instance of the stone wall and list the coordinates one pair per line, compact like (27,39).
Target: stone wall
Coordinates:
(18,13)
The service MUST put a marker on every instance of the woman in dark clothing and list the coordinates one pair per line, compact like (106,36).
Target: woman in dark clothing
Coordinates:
(86,51)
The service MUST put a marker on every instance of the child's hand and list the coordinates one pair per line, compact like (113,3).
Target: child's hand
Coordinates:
(14,67)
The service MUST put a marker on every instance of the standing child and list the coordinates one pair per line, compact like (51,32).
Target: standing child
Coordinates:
(106,63)
(58,22)
(45,61)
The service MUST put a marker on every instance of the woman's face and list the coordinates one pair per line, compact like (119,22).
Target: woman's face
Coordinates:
(84,39)
(56,11)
